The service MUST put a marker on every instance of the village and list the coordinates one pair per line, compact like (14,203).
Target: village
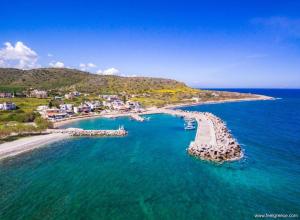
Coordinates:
(64,108)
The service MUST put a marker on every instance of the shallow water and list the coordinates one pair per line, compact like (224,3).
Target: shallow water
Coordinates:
(148,174)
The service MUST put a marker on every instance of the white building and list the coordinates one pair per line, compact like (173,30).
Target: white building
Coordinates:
(118,105)
(39,94)
(110,98)
(94,105)
(77,109)
(6,106)
(66,107)
(42,108)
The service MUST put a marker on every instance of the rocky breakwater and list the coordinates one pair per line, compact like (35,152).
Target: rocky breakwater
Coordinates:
(222,146)
(81,132)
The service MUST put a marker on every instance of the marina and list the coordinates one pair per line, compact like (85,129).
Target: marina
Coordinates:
(213,140)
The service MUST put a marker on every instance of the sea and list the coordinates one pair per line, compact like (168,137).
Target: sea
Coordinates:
(149,175)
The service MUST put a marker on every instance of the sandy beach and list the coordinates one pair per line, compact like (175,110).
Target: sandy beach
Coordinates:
(26,144)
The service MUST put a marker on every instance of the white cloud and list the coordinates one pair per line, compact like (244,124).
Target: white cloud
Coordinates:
(87,66)
(57,64)
(82,67)
(50,55)
(91,65)
(18,56)
(99,72)
(110,71)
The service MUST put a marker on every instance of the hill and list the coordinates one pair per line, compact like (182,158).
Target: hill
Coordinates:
(63,79)
(148,91)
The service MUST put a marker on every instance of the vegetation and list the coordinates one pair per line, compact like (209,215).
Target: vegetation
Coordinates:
(62,80)
(7,129)
(42,123)
(58,81)
(21,120)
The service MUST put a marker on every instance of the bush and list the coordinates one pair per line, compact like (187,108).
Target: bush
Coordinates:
(43,123)
(18,116)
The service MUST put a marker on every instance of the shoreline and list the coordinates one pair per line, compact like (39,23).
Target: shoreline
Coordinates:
(14,148)
(257,98)
(22,145)
(157,110)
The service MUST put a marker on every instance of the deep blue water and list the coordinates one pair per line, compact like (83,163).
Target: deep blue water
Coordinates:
(148,174)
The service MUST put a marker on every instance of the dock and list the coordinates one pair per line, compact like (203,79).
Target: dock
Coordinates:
(137,117)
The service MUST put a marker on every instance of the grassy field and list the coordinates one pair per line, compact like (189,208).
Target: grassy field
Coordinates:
(21,120)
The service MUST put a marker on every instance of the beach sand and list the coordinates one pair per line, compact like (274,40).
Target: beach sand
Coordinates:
(25,144)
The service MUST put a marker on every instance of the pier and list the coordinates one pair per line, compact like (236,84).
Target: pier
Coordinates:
(137,117)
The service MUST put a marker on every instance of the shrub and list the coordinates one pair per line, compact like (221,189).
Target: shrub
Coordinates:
(43,123)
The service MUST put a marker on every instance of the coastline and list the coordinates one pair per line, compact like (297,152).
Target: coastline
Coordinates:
(256,98)
(26,144)
(157,110)
(14,148)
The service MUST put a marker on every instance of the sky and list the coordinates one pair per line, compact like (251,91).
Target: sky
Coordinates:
(206,44)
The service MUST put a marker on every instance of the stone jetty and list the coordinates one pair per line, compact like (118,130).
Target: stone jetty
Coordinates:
(81,132)
(221,146)
(213,140)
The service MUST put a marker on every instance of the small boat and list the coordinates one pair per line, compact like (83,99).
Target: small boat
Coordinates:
(189,125)
(121,128)
(192,120)
(147,118)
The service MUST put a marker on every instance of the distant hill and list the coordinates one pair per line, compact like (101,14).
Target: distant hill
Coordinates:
(63,79)
(146,90)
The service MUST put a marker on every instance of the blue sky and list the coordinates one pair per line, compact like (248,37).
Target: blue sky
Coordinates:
(203,43)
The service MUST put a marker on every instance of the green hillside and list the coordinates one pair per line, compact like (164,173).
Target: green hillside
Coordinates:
(63,79)
(149,91)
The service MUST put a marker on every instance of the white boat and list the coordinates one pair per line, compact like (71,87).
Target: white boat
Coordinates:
(189,125)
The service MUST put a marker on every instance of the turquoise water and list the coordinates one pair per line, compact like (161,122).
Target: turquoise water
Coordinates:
(148,174)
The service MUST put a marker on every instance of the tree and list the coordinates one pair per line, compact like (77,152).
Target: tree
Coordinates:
(43,123)
(124,98)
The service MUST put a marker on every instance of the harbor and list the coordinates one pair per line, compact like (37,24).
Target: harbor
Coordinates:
(213,140)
